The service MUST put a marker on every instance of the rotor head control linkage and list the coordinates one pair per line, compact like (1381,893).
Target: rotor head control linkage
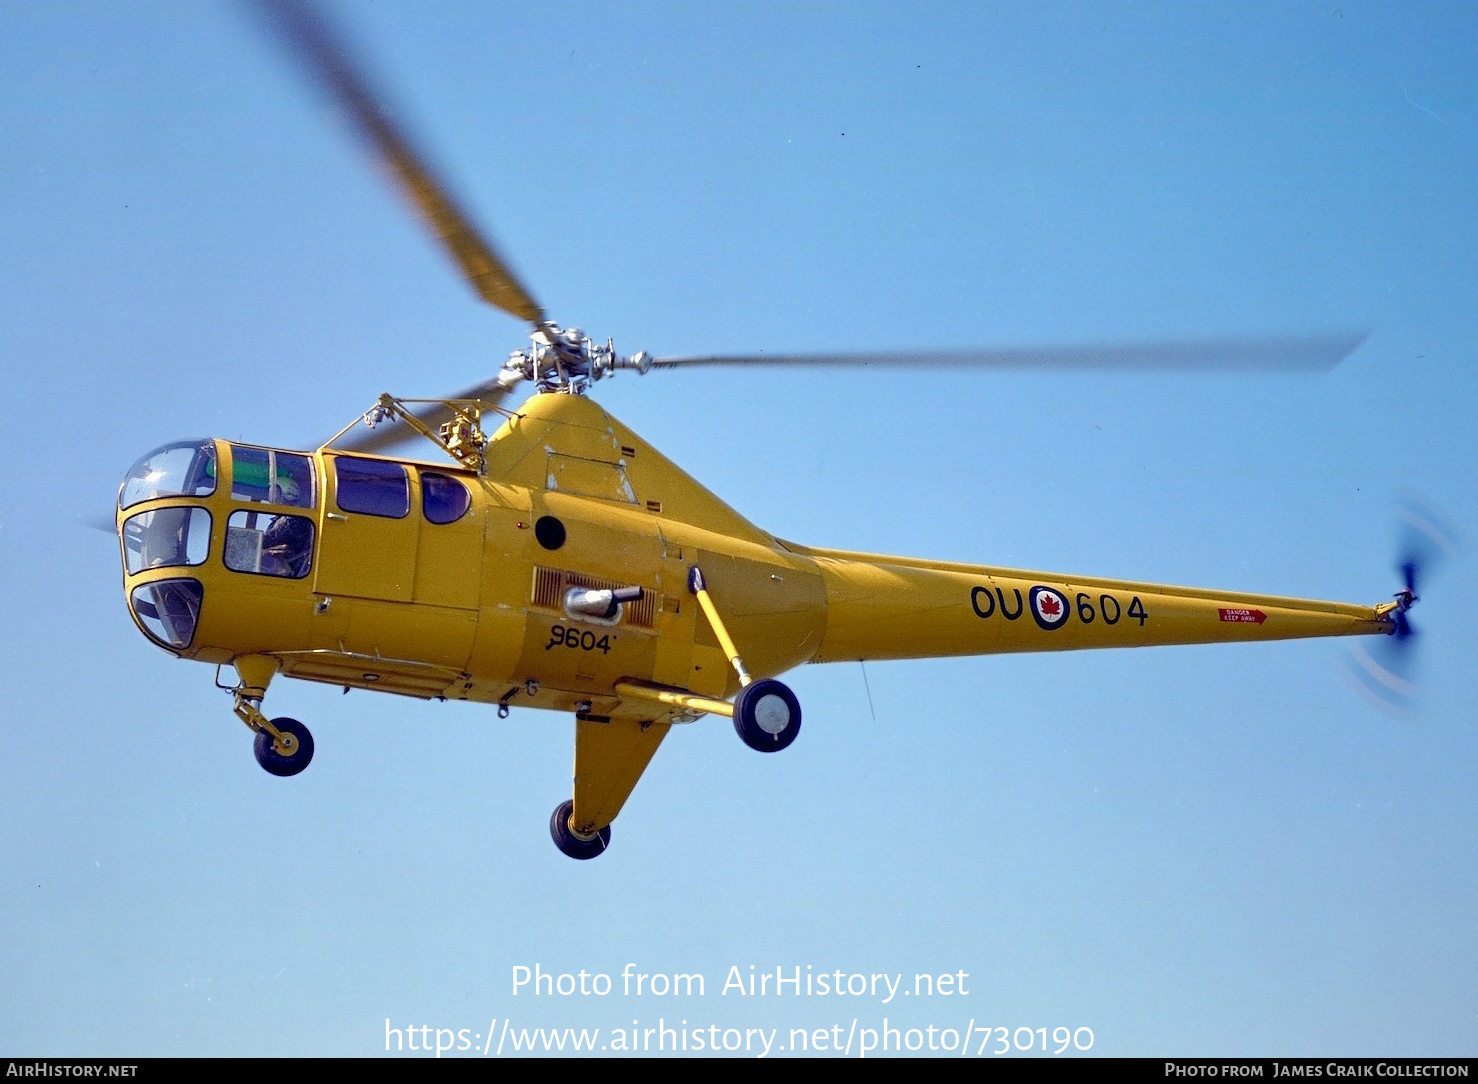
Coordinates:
(699,587)
(461,438)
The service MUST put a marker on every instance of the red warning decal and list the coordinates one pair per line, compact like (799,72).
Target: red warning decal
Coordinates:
(1250,617)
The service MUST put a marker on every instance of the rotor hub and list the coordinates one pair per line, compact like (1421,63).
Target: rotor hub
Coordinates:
(567,360)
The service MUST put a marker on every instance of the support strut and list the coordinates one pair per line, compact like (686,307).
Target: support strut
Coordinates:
(256,672)
(673,698)
(766,714)
(699,587)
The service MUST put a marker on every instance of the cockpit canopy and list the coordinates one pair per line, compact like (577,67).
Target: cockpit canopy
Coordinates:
(258,537)
(186,468)
(195,509)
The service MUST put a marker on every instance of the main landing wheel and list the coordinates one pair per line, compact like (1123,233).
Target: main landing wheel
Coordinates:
(566,840)
(767,716)
(295,752)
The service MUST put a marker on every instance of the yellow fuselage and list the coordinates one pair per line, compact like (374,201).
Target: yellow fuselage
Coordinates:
(473,609)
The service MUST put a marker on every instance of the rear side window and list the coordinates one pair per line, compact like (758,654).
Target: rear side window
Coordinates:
(264,476)
(443,498)
(373,487)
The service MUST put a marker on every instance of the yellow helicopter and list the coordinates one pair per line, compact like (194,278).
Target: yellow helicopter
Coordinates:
(561,562)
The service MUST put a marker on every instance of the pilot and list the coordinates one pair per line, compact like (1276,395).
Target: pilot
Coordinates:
(287,546)
(285,489)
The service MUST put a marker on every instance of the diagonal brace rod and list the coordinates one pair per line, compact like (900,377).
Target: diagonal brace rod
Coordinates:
(699,587)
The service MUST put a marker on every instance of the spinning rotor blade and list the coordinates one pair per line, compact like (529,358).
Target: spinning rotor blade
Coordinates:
(309,36)
(1317,353)
(1428,537)
(1386,670)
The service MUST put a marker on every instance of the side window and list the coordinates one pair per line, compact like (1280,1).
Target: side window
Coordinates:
(443,498)
(263,476)
(269,544)
(373,487)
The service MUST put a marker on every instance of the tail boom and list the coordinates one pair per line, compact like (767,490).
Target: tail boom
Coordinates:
(899,608)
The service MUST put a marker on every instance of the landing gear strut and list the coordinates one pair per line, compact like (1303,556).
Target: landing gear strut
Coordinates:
(282,746)
(572,843)
(767,716)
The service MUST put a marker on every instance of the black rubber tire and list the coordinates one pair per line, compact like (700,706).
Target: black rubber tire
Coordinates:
(571,844)
(759,708)
(273,761)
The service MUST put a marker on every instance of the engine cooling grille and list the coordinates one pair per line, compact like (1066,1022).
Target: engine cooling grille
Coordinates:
(550,585)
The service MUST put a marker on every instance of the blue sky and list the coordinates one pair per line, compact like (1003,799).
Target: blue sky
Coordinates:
(1220,851)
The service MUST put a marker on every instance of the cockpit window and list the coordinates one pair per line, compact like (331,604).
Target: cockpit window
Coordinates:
(164,537)
(373,487)
(443,498)
(264,476)
(269,544)
(184,469)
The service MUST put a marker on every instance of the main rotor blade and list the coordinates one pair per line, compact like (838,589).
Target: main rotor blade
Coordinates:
(308,34)
(1317,353)
(394,431)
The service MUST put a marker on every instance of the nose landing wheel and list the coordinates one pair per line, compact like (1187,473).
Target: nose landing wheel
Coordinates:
(282,746)
(287,755)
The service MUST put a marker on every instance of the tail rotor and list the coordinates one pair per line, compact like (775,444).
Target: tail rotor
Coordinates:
(1385,671)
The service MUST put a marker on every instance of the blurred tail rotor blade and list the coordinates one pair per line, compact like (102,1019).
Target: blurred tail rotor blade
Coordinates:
(1316,353)
(1385,672)
(307,33)
(1428,537)
(1408,575)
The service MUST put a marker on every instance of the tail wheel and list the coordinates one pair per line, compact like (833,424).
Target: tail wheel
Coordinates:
(767,716)
(576,846)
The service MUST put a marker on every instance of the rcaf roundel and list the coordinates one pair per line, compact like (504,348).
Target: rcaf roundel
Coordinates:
(1049,607)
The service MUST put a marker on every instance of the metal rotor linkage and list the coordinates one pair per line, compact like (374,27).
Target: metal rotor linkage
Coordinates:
(461,438)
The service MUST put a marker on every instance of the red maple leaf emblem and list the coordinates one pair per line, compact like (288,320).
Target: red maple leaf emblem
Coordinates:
(1050,606)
